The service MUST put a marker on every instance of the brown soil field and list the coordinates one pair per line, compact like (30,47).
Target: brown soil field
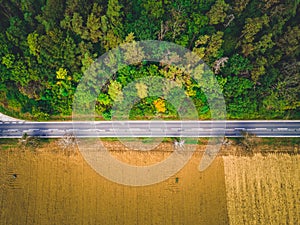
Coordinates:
(263,189)
(47,186)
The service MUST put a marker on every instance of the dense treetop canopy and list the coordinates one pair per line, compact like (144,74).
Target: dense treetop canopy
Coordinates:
(251,45)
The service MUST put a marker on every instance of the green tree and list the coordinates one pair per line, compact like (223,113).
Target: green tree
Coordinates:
(141,90)
(236,64)
(241,100)
(112,26)
(16,32)
(217,13)
(289,42)
(93,26)
(259,68)
(48,17)
(251,28)
(240,5)
(209,47)
(104,99)
(33,44)
(264,44)
(133,53)
(115,91)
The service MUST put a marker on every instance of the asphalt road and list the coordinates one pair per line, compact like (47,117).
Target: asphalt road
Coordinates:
(158,128)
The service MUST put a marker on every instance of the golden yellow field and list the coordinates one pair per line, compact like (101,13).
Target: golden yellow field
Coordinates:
(57,187)
(52,188)
(263,189)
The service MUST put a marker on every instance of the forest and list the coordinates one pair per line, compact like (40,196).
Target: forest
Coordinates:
(251,45)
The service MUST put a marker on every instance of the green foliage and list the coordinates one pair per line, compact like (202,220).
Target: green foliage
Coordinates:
(104,99)
(33,44)
(240,98)
(115,91)
(48,17)
(112,25)
(251,28)
(264,44)
(289,42)
(141,90)
(46,46)
(209,47)
(259,68)
(8,60)
(236,65)
(217,13)
(93,26)
(16,33)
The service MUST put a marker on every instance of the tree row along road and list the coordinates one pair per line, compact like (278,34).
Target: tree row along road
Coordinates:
(158,128)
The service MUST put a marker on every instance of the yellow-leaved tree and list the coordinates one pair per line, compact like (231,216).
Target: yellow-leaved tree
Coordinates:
(160,105)
(61,73)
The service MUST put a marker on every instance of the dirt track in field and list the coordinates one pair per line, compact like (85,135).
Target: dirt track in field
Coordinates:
(52,188)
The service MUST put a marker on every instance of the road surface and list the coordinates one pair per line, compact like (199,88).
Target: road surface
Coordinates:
(159,128)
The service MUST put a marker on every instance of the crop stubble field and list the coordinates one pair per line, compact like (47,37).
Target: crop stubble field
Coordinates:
(53,187)
(263,189)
